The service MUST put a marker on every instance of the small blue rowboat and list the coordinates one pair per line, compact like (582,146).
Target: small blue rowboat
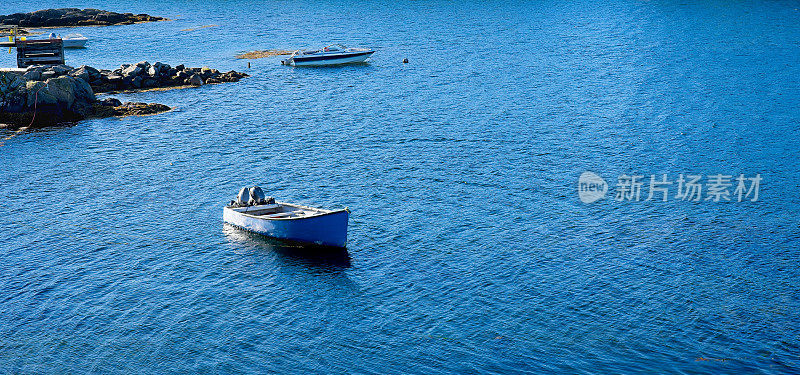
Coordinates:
(286,221)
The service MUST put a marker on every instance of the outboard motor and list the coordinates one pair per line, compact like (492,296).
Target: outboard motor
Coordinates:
(244,197)
(257,195)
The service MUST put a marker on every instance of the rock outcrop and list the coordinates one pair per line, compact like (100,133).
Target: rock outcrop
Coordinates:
(50,95)
(140,76)
(74,17)
(39,102)
(105,108)
(58,100)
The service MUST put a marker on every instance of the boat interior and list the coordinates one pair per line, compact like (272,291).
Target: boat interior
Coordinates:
(279,211)
(331,49)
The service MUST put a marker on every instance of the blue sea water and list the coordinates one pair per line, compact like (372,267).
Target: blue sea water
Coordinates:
(469,250)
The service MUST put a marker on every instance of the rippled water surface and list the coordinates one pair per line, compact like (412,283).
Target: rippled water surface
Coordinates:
(469,249)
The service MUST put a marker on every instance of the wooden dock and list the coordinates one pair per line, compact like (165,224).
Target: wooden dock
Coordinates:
(37,51)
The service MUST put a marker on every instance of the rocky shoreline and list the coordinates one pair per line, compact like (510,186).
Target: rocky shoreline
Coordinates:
(134,77)
(51,95)
(112,107)
(74,17)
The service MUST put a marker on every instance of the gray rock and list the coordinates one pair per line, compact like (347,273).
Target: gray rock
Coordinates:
(137,82)
(33,75)
(38,94)
(63,89)
(60,69)
(15,103)
(9,83)
(84,92)
(161,67)
(81,73)
(196,80)
(94,74)
(114,78)
(38,68)
(132,71)
(152,71)
(110,102)
(104,74)
(47,75)
(149,82)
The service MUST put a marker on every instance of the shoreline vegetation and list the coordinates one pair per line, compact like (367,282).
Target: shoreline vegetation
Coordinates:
(199,27)
(69,17)
(261,54)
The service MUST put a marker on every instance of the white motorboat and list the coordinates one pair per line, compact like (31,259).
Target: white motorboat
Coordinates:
(74,41)
(71,40)
(254,212)
(334,54)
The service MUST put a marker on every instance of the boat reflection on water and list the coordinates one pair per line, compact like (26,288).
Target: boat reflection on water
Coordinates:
(308,254)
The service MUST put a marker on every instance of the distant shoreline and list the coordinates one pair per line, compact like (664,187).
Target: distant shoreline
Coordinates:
(73,17)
